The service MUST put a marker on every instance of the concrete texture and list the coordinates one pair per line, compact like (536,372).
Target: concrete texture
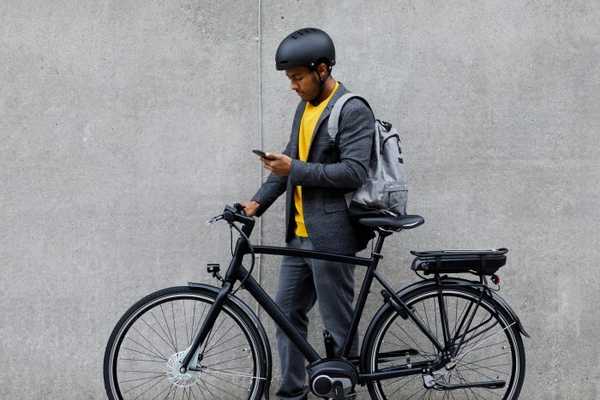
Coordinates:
(125,125)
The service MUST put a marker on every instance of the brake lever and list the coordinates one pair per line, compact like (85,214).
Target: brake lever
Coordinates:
(214,219)
(231,212)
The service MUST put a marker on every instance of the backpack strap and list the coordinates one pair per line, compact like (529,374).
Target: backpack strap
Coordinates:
(334,117)
(334,123)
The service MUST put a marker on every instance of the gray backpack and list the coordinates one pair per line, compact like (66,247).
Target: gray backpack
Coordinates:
(386,189)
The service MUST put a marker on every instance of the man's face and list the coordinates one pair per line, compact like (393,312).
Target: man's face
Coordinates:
(304,82)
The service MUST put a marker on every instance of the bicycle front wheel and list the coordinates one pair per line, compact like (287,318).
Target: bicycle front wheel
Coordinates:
(485,343)
(148,344)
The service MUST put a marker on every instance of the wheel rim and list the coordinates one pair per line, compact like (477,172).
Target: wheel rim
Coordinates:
(486,355)
(153,341)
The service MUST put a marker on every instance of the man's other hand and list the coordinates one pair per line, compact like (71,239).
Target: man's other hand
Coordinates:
(250,207)
(278,164)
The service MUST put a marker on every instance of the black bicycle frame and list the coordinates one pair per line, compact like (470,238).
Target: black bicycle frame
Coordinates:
(236,272)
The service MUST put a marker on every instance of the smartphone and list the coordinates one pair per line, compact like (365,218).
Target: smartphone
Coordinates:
(262,154)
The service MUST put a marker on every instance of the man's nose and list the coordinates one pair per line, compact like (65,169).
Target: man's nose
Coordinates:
(294,86)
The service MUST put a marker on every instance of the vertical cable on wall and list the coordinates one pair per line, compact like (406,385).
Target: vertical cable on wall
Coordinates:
(260,137)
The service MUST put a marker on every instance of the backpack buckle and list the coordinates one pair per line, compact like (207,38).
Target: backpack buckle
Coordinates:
(385,124)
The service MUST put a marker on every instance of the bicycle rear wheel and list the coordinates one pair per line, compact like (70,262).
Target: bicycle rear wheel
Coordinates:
(487,347)
(148,344)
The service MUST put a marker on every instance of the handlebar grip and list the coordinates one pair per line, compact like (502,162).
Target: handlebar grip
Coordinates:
(239,208)
(235,213)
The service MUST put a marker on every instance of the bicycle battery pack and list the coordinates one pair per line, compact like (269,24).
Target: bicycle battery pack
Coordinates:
(478,262)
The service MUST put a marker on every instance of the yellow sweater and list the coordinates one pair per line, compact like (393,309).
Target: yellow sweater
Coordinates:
(310,117)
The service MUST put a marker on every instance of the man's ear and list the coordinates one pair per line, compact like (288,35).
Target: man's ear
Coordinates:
(323,70)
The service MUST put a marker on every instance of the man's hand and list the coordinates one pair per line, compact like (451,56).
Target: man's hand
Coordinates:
(250,207)
(278,164)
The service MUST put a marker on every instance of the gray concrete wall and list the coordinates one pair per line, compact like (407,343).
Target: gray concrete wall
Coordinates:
(125,125)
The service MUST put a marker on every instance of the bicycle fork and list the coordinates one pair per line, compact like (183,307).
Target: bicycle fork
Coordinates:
(207,326)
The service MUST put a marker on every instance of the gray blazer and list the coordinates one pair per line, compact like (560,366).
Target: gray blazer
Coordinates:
(331,170)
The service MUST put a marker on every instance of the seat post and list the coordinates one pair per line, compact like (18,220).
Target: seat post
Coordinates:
(379,244)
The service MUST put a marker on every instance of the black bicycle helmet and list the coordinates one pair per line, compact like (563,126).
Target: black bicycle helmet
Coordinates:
(307,47)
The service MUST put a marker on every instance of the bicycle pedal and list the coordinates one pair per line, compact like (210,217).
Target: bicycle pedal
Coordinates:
(338,391)
(348,396)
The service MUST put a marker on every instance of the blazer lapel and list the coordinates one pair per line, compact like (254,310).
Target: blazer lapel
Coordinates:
(296,128)
(339,92)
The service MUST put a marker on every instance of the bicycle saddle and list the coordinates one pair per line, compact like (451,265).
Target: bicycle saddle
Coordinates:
(392,223)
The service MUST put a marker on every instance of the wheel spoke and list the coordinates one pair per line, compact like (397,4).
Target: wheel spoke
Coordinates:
(234,373)
(187,333)
(227,361)
(145,365)
(223,351)
(462,355)
(174,326)
(145,381)
(156,354)
(157,334)
(168,329)
(410,337)
(401,387)
(158,381)
(233,396)
(149,342)
(221,340)
(487,354)
(146,354)
(169,388)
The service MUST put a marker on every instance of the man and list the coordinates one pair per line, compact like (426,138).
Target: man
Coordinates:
(315,174)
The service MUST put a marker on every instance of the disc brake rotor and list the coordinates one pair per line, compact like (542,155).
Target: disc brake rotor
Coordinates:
(174,374)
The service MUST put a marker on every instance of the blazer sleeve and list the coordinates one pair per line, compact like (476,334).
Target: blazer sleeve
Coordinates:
(355,140)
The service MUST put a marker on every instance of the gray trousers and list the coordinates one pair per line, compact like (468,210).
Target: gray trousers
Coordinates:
(303,282)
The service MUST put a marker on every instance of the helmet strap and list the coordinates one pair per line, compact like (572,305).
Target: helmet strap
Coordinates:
(321,87)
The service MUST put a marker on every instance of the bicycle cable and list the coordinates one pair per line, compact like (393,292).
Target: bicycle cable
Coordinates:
(249,273)
(232,225)
(231,240)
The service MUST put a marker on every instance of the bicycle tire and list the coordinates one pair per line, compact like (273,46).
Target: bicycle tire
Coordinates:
(508,359)
(233,355)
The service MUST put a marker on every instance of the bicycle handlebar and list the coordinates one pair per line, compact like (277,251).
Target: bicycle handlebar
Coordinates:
(235,213)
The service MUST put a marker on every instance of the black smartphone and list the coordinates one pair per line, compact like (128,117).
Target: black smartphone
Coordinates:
(262,154)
